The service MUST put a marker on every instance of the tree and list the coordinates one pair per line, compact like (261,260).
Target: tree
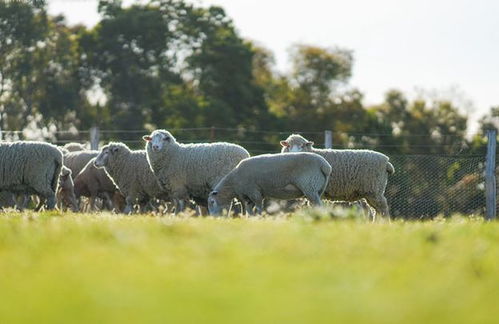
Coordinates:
(38,68)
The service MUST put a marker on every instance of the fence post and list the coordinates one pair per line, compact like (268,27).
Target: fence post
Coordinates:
(328,139)
(212,134)
(94,138)
(490,175)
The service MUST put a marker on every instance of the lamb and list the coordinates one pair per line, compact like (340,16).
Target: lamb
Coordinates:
(76,161)
(66,192)
(356,174)
(279,176)
(130,171)
(93,182)
(31,168)
(188,171)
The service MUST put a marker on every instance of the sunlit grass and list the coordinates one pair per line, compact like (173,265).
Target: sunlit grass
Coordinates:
(302,268)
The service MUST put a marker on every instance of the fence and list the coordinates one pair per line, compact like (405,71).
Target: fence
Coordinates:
(423,186)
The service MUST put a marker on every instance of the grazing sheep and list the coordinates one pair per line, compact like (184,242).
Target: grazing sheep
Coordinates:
(76,161)
(74,147)
(279,176)
(66,194)
(130,172)
(31,168)
(356,174)
(93,182)
(188,171)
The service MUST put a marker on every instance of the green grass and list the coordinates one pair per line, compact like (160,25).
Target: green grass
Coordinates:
(71,268)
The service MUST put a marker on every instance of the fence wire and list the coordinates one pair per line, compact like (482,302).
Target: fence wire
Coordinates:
(425,186)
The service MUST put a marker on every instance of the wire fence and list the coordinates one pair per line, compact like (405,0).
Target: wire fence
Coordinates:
(423,186)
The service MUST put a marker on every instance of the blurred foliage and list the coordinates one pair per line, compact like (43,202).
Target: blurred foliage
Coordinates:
(172,64)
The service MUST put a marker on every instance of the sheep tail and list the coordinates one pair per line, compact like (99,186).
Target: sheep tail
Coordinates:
(326,171)
(389,168)
(57,172)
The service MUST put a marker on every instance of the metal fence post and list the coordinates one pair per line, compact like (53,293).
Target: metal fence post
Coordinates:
(94,138)
(212,134)
(490,175)
(328,139)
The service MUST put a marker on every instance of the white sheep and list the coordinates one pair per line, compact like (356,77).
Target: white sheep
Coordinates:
(131,173)
(31,168)
(278,176)
(356,174)
(190,171)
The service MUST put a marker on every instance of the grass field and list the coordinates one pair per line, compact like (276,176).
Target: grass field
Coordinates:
(72,268)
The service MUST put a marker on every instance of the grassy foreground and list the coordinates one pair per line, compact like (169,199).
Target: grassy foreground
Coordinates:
(70,268)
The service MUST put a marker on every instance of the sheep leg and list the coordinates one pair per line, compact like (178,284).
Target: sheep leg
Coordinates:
(259,207)
(129,205)
(23,204)
(143,205)
(39,206)
(107,200)
(243,208)
(92,203)
(51,201)
(179,206)
(379,204)
(366,208)
(257,199)
(249,207)
(203,210)
(314,199)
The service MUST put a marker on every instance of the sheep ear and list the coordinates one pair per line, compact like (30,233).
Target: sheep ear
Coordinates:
(284,143)
(310,143)
(147,138)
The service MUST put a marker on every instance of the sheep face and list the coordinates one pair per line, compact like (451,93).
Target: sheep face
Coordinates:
(105,154)
(159,140)
(296,143)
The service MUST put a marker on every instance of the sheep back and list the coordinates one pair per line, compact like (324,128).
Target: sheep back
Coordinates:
(356,173)
(76,161)
(270,173)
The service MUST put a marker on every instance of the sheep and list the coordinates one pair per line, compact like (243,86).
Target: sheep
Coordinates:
(130,171)
(76,161)
(190,170)
(31,168)
(93,182)
(74,147)
(279,176)
(66,192)
(357,174)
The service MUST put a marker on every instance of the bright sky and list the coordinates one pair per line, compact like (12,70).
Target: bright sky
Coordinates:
(440,45)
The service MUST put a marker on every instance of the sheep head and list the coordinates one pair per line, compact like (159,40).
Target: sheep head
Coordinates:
(296,143)
(159,140)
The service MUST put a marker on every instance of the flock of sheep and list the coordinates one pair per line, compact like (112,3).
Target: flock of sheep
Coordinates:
(212,177)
